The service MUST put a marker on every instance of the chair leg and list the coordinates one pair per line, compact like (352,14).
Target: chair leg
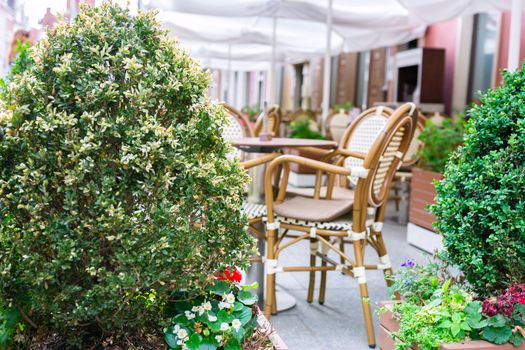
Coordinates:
(270,302)
(359,272)
(314,244)
(396,196)
(322,288)
(382,252)
(342,249)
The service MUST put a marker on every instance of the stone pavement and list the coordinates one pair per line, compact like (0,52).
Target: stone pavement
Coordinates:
(339,323)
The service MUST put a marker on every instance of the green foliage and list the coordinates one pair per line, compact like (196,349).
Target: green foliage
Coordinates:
(221,318)
(480,203)
(115,185)
(441,319)
(252,112)
(438,309)
(418,282)
(302,129)
(439,143)
(497,329)
(22,61)
(9,323)
(345,106)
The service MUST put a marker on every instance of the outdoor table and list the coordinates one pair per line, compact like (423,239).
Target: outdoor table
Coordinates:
(254,146)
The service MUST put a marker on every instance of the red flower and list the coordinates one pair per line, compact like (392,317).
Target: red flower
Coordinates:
(231,274)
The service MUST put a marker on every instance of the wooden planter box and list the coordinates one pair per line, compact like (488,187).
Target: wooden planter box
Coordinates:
(422,193)
(388,324)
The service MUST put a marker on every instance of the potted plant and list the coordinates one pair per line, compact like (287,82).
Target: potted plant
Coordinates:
(439,311)
(109,194)
(225,316)
(252,112)
(439,139)
(479,212)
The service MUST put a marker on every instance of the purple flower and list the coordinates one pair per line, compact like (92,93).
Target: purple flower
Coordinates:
(408,262)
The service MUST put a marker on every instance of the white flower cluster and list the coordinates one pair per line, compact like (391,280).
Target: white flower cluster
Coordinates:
(227,301)
(182,334)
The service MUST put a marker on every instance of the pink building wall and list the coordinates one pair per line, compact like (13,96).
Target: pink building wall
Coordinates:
(444,35)
(503,49)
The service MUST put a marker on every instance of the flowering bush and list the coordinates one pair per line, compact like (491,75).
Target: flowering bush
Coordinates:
(220,319)
(115,185)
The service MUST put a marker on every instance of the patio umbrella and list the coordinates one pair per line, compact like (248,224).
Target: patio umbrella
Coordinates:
(291,28)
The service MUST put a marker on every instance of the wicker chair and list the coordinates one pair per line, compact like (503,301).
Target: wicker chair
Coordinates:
(238,127)
(358,137)
(318,219)
(336,124)
(401,182)
(274,122)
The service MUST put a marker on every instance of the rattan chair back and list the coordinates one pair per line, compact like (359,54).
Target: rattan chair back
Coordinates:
(386,155)
(237,127)
(412,155)
(274,122)
(361,134)
(336,125)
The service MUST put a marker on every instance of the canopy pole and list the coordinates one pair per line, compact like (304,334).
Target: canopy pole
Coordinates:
(515,35)
(270,88)
(327,70)
(229,76)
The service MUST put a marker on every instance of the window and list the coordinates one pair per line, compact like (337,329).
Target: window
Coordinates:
(482,56)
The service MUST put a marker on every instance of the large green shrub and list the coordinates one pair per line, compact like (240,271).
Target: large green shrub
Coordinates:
(115,185)
(439,141)
(480,207)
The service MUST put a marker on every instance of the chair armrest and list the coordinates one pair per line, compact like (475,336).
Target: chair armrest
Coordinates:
(258,161)
(314,150)
(284,161)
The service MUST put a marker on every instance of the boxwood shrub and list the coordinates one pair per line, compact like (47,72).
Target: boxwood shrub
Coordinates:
(480,207)
(115,185)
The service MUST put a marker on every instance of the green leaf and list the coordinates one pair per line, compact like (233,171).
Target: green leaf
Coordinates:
(221,287)
(237,306)
(182,320)
(244,315)
(194,342)
(518,314)
(516,339)
(247,298)
(455,329)
(207,344)
(171,340)
(497,321)
(445,324)
(233,344)
(239,335)
(224,316)
(473,309)
(477,324)
(497,335)
(254,285)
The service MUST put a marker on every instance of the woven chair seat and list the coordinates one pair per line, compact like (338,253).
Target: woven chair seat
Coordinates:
(343,223)
(253,210)
(338,193)
(309,209)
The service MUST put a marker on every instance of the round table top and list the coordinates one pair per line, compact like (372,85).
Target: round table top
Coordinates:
(254,143)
